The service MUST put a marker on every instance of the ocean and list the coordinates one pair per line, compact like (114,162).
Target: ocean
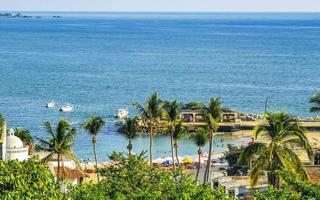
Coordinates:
(100,62)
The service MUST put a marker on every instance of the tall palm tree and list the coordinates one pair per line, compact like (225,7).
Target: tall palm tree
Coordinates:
(315,103)
(26,138)
(2,120)
(93,126)
(213,111)
(178,134)
(59,143)
(130,129)
(172,110)
(151,113)
(285,134)
(200,139)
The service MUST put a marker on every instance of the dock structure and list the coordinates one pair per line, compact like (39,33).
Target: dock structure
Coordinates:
(246,125)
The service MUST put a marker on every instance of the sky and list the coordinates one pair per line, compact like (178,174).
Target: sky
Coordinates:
(163,5)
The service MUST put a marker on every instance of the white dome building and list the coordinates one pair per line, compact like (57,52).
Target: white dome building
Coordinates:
(15,149)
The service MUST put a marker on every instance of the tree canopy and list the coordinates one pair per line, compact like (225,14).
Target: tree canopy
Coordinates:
(30,179)
(132,178)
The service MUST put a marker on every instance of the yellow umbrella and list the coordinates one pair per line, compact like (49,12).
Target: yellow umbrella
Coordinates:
(187,160)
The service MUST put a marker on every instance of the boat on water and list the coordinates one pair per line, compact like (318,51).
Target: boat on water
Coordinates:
(66,108)
(50,104)
(122,113)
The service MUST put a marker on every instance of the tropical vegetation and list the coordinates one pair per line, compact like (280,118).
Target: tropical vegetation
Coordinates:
(26,138)
(93,126)
(129,127)
(172,110)
(150,114)
(30,179)
(200,139)
(59,143)
(232,157)
(315,103)
(2,120)
(132,178)
(285,135)
(213,111)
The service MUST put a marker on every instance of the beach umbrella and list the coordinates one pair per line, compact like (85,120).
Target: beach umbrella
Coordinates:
(205,154)
(166,163)
(187,160)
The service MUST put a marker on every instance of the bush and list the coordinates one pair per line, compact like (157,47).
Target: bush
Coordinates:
(27,180)
(132,178)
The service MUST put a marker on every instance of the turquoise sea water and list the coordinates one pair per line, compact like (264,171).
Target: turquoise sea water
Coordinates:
(103,61)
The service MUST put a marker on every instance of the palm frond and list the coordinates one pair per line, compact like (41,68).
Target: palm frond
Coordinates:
(258,165)
(251,150)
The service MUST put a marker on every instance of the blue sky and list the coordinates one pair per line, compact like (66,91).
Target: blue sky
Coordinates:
(163,5)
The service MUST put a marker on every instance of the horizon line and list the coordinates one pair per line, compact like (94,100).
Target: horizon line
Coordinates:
(127,11)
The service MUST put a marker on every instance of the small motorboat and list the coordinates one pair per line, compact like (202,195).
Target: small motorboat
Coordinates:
(50,104)
(66,108)
(122,113)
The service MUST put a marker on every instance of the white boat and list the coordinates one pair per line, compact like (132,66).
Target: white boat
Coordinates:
(50,104)
(66,108)
(122,113)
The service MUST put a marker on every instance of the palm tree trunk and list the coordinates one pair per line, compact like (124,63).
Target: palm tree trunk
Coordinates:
(95,155)
(208,167)
(172,154)
(151,146)
(199,160)
(129,147)
(273,180)
(58,170)
(177,155)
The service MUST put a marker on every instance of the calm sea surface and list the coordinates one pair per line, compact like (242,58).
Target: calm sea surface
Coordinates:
(100,62)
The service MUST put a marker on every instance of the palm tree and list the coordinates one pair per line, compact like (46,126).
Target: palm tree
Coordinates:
(59,143)
(213,111)
(284,133)
(93,126)
(2,120)
(200,139)
(315,103)
(26,138)
(172,110)
(179,132)
(130,129)
(151,113)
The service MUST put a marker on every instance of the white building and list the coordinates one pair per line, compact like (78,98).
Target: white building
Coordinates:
(15,150)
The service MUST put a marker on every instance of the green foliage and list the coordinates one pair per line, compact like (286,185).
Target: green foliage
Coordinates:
(27,180)
(152,109)
(194,105)
(277,194)
(293,188)
(199,138)
(130,129)
(132,178)
(315,103)
(214,108)
(285,134)
(172,110)
(306,189)
(93,125)
(2,120)
(60,141)
(232,156)
(24,135)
